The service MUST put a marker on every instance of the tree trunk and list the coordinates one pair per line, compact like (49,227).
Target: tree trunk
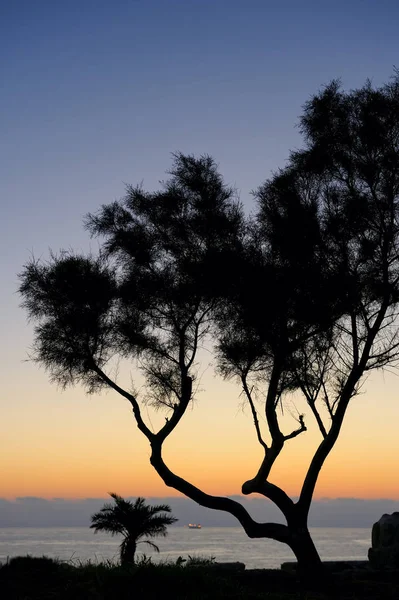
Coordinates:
(311,571)
(128,551)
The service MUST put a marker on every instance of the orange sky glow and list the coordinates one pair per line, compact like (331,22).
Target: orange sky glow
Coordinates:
(67,444)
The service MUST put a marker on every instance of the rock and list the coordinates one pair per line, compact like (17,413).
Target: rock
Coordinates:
(384,551)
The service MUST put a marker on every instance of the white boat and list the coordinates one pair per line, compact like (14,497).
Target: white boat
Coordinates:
(194,526)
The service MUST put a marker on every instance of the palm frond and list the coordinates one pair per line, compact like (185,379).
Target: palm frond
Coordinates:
(134,520)
(153,546)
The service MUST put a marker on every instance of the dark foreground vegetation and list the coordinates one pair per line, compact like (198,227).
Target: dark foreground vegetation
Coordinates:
(27,578)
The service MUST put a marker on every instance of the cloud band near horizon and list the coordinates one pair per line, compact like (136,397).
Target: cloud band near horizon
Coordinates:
(59,512)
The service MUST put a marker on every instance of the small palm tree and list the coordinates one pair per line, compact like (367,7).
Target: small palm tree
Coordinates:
(134,521)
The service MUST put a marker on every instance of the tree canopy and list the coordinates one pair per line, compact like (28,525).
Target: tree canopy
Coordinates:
(300,296)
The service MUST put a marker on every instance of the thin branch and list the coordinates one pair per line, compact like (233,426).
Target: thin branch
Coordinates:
(270,408)
(254,413)
(388,354)
(163,379)
(341,402)
(296,432)
(311,402)
(136,408)
(194,345)
(326,400)
(355,342)
(277,437)
(164,354)
(178,410)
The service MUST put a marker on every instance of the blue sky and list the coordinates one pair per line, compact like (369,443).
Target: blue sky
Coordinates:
(99,93)
(96,94)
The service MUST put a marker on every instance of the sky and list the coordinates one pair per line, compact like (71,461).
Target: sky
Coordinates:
(97,94)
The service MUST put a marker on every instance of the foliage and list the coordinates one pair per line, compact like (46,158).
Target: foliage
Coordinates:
(134,521)
(300,298)
(45,579)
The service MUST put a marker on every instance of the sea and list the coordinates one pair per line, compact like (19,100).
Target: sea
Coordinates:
(224,544)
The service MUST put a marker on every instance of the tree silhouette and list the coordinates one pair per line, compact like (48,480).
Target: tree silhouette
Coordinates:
(134,521)
(301,297)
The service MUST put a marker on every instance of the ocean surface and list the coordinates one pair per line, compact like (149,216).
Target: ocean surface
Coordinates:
(223,543)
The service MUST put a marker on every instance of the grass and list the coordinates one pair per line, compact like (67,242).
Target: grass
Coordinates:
(28,578)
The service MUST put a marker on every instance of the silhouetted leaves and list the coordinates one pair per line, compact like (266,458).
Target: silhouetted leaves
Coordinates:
(73,300)
(301,296)
(150,294)
(134,521)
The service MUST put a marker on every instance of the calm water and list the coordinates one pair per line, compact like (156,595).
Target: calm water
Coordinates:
(224,543)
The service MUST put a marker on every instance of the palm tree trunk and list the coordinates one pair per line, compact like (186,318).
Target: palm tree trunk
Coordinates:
(127,552)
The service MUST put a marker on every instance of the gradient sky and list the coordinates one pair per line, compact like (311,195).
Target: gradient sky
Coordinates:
(96,94)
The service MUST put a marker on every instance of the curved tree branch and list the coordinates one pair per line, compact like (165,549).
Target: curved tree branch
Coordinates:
(270,408)
(296,431)
(317,416)
(270,491)
(327,444)
(136,408)
(178,409)
(253,529)
(254,413)
(259,483)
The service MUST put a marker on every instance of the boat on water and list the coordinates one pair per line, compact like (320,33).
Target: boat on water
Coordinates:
(194,526)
